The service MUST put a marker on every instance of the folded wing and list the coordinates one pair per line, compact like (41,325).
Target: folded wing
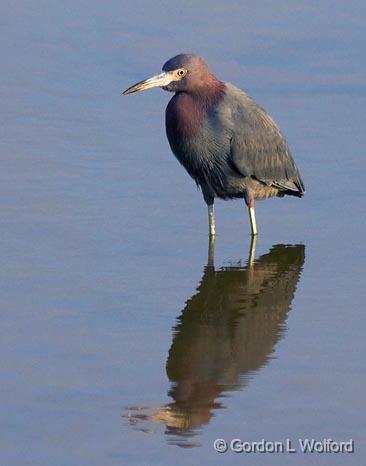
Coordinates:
(257,147)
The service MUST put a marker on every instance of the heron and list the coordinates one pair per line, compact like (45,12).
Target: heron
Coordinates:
(227,143)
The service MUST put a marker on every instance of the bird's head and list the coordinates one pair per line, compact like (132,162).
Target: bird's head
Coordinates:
(182,73)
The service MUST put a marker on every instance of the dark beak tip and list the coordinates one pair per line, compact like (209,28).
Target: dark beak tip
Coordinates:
(130,90)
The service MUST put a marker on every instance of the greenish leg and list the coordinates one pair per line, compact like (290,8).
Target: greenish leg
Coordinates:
(253,223)
(211,219)
(211,251)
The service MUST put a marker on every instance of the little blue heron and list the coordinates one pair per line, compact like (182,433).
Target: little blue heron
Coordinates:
(227,143)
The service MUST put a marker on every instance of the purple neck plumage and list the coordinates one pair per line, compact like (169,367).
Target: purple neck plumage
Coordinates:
(186,110)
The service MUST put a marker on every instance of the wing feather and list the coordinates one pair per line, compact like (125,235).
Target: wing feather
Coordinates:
(258,148)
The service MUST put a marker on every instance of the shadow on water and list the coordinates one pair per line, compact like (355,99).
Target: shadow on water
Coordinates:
(226,332)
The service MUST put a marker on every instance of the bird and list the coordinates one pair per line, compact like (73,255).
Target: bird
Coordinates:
(227,143)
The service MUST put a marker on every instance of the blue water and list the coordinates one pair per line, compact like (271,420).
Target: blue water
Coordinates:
(119,345)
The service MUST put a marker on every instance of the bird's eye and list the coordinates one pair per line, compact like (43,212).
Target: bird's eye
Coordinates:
(182,72)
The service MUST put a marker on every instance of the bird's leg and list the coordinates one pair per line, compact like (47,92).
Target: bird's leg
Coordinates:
(249,200)
(211,251)
(253,223)
(211,219)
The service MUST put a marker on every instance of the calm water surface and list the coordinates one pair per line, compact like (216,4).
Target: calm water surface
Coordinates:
(122,340)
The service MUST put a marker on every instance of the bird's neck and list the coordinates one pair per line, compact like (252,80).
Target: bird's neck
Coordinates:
(208,95)
(187,110)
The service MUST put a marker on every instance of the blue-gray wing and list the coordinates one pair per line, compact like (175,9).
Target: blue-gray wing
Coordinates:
(257,148)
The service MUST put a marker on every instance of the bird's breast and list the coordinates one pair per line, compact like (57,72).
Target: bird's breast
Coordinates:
(200,142)
(192,129)
(184,116)
(184,128)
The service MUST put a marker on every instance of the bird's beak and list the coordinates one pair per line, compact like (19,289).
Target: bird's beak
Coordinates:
(160,80)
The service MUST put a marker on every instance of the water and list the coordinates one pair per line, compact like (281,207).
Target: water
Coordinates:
(120,342)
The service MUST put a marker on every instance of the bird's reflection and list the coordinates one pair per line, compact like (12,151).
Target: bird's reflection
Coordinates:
(227,330)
